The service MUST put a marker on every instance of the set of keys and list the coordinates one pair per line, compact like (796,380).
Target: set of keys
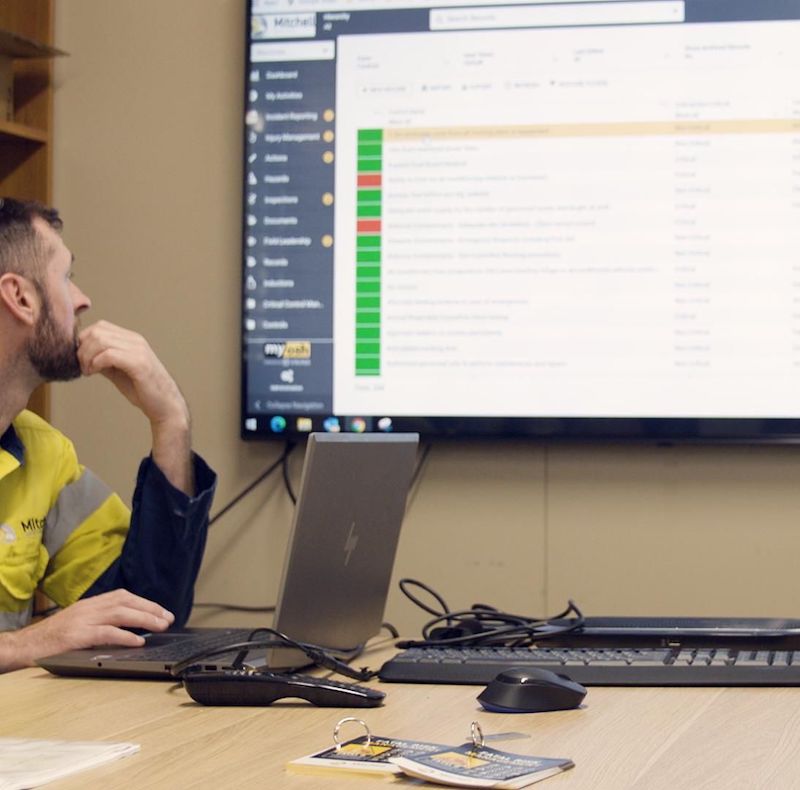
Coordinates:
(474,760)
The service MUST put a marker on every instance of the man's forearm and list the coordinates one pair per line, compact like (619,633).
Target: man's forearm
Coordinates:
(102,620)
(21,648)
(164,545)
(13,654)
(126,359)
(172,452)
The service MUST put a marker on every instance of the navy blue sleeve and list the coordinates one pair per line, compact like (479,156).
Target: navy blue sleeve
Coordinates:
(162,553)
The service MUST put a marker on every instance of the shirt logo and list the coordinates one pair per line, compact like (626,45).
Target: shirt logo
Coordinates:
(33,524)
(7,533)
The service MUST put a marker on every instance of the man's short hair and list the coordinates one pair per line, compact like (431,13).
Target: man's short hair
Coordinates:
(21,248)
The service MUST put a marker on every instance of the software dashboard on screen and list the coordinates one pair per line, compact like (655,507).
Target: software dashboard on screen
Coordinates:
(555,219)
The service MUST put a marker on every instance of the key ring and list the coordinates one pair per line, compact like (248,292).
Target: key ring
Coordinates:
(476,734)
(338,726)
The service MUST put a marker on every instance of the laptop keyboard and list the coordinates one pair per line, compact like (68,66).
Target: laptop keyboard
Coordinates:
(601,666)
(171,648)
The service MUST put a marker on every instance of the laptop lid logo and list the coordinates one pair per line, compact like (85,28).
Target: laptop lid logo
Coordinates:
(350,544)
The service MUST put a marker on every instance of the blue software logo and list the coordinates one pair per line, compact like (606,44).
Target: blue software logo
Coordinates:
(278,424)
(331,425)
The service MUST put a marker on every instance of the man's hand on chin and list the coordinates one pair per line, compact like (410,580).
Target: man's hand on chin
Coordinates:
(127,360)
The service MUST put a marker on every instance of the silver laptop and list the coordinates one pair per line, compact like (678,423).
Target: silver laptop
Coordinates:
(336,575)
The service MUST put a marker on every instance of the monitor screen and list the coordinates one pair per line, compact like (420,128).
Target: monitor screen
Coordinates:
(563,219)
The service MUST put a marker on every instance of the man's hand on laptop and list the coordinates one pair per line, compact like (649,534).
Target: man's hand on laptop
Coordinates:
(100,620)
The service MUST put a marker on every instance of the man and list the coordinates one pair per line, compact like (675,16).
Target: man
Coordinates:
(61,530)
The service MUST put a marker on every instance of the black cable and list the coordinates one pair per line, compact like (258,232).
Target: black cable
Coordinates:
(286,481)
(486,626)
(394,633)
(283,461)
(288,447)
(476,626)
(287,451)
(320,655)
(404,585)
(418,470)
(315,653)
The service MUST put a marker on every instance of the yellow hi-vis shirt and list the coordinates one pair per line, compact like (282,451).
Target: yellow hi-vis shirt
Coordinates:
(60,526)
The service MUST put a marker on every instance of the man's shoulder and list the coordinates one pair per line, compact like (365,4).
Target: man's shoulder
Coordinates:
(31,428)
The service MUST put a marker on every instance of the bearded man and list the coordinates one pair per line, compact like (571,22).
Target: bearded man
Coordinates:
(62,531)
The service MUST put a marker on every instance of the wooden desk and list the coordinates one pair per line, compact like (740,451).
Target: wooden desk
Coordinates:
(622,737)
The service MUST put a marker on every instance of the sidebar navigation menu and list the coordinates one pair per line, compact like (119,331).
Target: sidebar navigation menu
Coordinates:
(289,204)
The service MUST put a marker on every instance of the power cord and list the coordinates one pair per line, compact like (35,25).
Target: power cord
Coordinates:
(423,457)
(287,451)
(286,481)
(483,625)
(411,486)
(317,655)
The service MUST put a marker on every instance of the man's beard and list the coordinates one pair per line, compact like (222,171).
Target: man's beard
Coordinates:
(53,355)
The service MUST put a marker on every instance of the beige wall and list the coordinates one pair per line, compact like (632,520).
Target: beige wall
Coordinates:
(147,172)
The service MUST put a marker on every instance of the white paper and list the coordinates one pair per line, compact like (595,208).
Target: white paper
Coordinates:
(26,763)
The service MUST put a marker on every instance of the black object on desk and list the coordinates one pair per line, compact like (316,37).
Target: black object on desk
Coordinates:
(602,666)
(775,632)
(240,687)
(519,690)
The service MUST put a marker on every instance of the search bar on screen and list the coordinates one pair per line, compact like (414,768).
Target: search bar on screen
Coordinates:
(658,11)
(292,50)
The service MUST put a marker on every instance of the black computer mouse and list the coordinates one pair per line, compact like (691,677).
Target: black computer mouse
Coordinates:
(531,690)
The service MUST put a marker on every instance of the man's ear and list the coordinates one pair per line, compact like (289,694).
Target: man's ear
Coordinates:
(19,297)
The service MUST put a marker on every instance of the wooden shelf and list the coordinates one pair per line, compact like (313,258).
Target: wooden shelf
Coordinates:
(25,142)
(9,130)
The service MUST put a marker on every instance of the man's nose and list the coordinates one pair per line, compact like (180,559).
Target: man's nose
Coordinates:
(80,300)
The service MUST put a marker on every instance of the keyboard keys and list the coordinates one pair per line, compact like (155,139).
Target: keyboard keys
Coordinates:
(601,666)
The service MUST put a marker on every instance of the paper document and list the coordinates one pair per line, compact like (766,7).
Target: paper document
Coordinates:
(28,763)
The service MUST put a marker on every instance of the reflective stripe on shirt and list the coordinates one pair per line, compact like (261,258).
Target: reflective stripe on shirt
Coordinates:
(75,503)
(60,527)
(11,621)
(87,552)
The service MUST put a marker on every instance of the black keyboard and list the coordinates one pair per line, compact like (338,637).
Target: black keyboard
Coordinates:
(601,666)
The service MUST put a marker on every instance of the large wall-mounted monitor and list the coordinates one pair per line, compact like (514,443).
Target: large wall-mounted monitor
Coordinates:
(561,219)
